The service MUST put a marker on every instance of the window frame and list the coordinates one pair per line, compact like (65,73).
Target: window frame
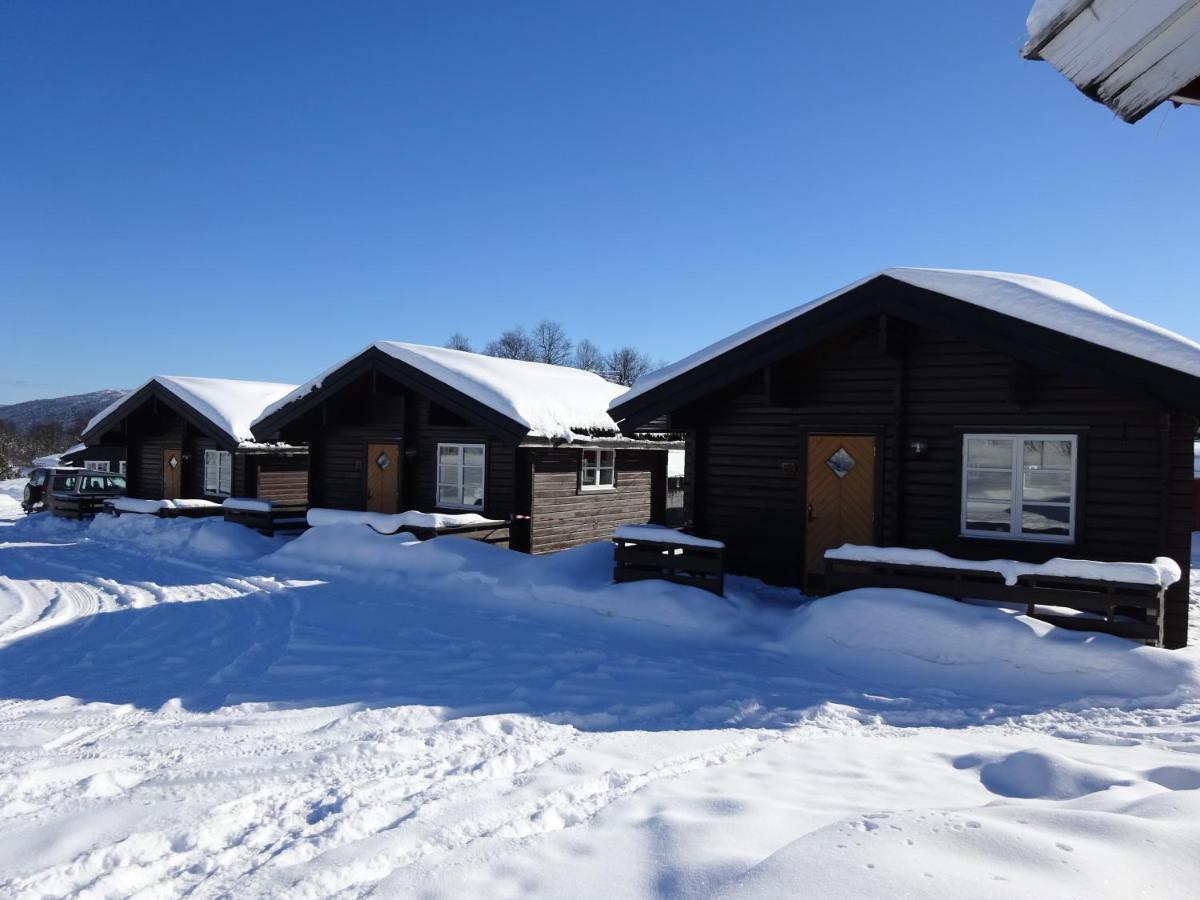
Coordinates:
(438,484)
(97,465)
(227,470)
(1018,439)
(122,467)
(599,452)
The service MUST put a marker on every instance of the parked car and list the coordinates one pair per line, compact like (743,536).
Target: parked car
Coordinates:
(82,493)
(39,485)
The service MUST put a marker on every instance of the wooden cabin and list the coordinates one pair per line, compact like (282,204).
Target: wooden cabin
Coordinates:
(402,427)
(982,415)
(190,438)
(1130,55)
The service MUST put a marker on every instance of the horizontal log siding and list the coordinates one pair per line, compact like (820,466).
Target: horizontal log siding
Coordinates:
(1135,498)
(499,479)
(146,459)
(282,481)
(564,516)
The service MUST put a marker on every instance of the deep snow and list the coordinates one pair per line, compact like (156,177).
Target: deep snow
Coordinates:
(190,708)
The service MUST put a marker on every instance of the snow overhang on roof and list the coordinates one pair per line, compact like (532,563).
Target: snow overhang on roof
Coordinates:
(231,406)
(1130,56)
(1040,301)
(546,401)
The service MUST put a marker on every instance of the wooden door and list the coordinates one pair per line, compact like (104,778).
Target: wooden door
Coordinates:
(383,478)
(841,495)
(172,473)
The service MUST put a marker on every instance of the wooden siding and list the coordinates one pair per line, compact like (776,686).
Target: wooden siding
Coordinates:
(282,480)
(745,462)
(563,516)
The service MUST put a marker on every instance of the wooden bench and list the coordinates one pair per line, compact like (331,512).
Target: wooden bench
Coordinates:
(488,532)
(1124,609)
(637,559)
(165,512)
(271,519)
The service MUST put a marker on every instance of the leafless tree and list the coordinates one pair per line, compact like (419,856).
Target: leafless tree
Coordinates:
(551,344)
(512,344)
(458,341)
(590,358)
(626,364)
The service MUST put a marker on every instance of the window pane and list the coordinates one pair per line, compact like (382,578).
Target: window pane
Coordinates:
(472,496)
(984,515)
(448,454)
(606,477)
(472,475)
(1046,519)
(608,458)
(447,474)
(1047,485)
(989,485)
(448,495)
(473,456)
(990,453)
(1048,455)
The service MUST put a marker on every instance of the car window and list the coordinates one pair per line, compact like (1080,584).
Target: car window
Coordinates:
(115,482)
(65,482)
(92,484)
(38,478)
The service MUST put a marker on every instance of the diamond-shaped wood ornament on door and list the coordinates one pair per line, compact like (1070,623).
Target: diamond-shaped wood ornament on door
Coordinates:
(383,460)
(173,462)
(840,463)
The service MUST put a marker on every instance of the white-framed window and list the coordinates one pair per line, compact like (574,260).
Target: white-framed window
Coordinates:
(460,470)
(598,470)
(1019,486)
(97,465)
(218,472)
(121,466)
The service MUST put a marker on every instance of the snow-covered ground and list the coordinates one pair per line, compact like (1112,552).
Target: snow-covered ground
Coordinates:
(189,708)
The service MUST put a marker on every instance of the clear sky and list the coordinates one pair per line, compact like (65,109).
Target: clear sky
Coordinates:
(256,190)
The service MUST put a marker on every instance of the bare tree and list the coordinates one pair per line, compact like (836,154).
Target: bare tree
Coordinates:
(458,341)
(626,364)
(512,344)
(551,344)
(590,358)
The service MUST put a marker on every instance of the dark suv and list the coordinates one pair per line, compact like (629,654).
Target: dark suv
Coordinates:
(46,486)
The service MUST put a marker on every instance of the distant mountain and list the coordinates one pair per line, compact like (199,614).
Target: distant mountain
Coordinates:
(65,411)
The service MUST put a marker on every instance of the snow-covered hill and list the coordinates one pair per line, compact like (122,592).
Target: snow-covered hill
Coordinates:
(189,708)
(65,411)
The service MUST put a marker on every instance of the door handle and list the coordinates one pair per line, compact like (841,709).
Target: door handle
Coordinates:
(811,517)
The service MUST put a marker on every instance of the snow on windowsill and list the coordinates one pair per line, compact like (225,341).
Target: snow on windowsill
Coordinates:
(1163,572)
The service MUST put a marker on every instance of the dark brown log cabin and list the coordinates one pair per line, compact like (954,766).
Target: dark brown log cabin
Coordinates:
(401,426)
(886,414)
(189,438)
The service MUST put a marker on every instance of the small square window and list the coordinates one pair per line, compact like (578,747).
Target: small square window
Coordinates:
(598,470)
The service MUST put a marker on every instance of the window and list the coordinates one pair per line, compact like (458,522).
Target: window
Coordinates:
(64,482)
(218,472)
(121,467)
(96,465)
(460,475)
(1019,486)
(599,471)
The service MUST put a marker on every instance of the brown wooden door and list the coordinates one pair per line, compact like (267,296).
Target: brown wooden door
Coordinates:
(383,477)
(841,495)
(172,473)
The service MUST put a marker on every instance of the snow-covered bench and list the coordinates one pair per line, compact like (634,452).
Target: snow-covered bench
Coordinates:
(1122,598)
(421,525)
(185,508)
(265,516)
(643,552)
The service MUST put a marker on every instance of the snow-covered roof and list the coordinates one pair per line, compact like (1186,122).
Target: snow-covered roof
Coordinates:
(555,402)
(1131,56)
(229,404)
(1050,304)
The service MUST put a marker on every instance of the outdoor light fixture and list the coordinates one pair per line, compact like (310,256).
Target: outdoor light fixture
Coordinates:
(918,448)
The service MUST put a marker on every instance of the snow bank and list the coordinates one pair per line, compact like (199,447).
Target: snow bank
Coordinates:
(230,405)
(1163,572)
(210,537)
(910,639)
(1050,304)
(663,534)
(550,401)
(386,523)
(137,505)
(247,504)
(451,569)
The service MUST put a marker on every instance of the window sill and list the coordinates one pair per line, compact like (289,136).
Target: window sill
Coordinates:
(1016,538)
(602,489)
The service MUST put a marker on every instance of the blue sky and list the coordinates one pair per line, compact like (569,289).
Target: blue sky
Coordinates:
(256,190)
